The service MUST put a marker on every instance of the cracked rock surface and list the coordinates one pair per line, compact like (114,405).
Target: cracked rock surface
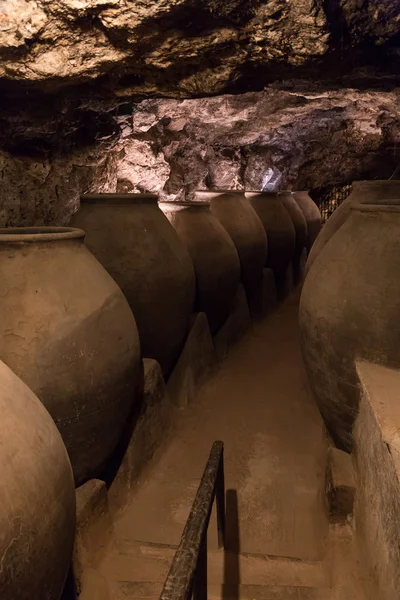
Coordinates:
(170,95)
(305,139)
(184,46)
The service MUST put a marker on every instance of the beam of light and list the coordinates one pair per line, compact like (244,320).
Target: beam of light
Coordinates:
(271,180)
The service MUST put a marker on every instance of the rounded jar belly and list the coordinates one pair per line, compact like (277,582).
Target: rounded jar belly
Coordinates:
(280,231)
(69,333)
(349,310)
(134,241)
(235,213)
(311,214)
(361,191)
(215,259)
(300,227)
(37,497)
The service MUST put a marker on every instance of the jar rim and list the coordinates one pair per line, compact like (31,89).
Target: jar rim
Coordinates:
(187,203)
(16,235)
(109,198)
(261,193)
(219,191)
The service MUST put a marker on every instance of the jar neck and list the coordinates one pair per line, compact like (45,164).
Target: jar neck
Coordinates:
(184,205)
(118,199)
(40,235)
(209,195)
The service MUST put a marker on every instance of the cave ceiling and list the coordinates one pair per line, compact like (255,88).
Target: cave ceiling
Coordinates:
(169,95)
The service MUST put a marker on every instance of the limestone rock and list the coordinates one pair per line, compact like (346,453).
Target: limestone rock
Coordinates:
(180,46)
(62,41)
(305,139)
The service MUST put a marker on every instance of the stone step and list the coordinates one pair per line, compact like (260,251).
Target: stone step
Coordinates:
(141,562)
(144,590)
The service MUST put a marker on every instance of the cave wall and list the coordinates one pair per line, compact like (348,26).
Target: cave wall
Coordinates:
(172,147)
(170,95)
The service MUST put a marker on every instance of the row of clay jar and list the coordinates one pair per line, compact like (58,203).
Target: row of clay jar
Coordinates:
(68,329)
(76,319)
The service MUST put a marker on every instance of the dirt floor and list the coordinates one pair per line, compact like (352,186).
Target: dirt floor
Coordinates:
(260,405)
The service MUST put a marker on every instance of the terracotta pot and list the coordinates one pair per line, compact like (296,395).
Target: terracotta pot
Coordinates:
(349,309)
(215,259)
(68,332)
(133,240)
(300,226)
(280,231)
(367,190)
(312,216)
(37,496)
(234,211)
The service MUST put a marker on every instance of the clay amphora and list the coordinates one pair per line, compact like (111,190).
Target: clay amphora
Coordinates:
(134,241)
(349,309)
(234,211)
(280,231)
(300,226)
(367,190)
(68,332)
(215,259)
(312,216)
(37,496)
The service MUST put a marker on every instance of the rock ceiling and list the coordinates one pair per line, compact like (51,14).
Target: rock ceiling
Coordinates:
(167,95)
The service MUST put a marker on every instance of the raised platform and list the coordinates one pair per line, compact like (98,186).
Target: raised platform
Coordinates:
(266,299)
(377,465)
(195,364)
(234,327)
(148,431)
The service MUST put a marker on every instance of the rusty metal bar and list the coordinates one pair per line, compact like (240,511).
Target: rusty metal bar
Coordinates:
(220,502)
(188,571)
(200,576)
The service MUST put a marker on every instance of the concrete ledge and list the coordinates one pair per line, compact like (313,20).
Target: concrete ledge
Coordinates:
(340,485)
(285,283)
(299,270)
(195,364)
(235,326)
(377,466)
(94,528)
(266,299)
(145,434)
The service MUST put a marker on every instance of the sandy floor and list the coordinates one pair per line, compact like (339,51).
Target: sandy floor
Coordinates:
(260,405)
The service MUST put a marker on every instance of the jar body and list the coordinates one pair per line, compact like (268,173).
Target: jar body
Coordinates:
(368,191)
(312,216)
(37,497)
(138,247)
(280,231)
(215,259)
(237,216)
(300,227)
(70,335)
(349,310)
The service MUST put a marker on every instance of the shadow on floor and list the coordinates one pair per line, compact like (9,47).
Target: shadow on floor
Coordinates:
(230,588)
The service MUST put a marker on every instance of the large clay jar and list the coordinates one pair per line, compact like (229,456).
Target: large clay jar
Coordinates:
(280,231)
(350,309)
(234,211)
(133,240)
(215,259)
(300,226)
(68,332)
(37,496)
(311,214)
(367,190)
